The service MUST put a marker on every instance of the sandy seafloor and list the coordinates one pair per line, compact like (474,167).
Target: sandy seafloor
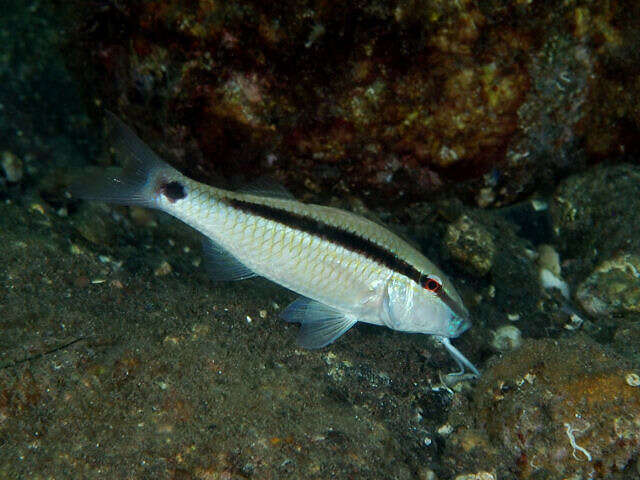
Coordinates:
(119,358)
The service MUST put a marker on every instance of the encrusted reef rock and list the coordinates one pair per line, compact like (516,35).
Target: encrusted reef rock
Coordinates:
(613,287)
(595,213)
(471,245)
(595,220)
(564,408)
(403,97)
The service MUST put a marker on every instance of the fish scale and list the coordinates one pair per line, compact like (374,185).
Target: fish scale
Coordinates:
(293,265)
(347,268)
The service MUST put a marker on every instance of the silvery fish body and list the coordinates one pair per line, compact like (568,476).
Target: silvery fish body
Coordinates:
(347,268)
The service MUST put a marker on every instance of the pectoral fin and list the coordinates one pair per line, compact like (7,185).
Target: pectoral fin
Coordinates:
(221,265)
(320,324)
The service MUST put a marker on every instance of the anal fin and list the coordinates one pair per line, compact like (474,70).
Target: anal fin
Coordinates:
(320,324)
(221,265)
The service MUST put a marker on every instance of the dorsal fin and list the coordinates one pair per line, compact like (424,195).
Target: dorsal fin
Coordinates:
(266,187)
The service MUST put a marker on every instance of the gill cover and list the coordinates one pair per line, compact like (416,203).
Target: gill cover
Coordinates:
(410,308)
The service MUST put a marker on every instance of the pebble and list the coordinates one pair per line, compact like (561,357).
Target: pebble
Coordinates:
(476,476)
(12,167)
(426,474)
(548,281)
(633,379)
(550,259)
(171,340)
(506,338)
(163,269)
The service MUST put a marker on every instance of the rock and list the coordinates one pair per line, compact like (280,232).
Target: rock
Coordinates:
(613,287)
(595,216)
(405,100)
(562,406)
(471,245)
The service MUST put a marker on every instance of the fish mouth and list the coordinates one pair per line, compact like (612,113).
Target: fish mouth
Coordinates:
(459,322)
(459,314)
(464,325)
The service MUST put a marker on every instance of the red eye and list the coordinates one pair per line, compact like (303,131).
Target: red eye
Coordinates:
(432,283)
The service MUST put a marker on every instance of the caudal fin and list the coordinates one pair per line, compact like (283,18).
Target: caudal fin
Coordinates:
(135,183)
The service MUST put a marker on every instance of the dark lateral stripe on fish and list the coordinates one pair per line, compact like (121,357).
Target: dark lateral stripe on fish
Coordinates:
(336,235)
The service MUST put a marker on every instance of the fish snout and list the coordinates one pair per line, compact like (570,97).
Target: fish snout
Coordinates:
(458,324)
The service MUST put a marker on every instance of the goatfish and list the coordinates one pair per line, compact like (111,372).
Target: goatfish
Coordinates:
(346,268)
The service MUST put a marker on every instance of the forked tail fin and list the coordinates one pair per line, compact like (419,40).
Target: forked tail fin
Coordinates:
(136,183)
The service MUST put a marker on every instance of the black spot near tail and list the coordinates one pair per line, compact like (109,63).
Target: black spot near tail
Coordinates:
(173,191)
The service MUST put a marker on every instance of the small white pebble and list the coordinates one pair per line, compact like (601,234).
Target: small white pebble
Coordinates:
(513,317)
(550,259)
(539,205)
(263,313)
(549,280)
(249,319)
(633,379)
(171,340)
(98,281)
(163,269)
(576,322)
(36,207)
(506,338)
(445,429)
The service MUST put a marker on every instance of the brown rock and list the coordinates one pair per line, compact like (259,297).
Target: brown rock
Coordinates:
(561,406)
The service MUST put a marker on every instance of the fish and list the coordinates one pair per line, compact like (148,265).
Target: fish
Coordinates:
(346,268)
